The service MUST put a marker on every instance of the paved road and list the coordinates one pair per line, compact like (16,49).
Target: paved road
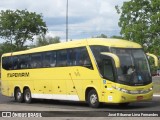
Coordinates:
(63,108)
(47,105)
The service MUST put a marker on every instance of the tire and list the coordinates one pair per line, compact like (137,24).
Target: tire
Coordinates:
(92,99)
(18,95)
(27,96)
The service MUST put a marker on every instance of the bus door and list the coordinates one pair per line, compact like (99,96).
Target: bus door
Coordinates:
(108,71)
(109,78)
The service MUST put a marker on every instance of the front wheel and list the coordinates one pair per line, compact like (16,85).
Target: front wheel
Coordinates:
(93,100)
(27,96)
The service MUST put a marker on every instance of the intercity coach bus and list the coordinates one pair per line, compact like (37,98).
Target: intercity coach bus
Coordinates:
(95,70)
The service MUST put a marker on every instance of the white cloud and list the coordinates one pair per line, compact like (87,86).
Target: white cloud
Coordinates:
(86,17)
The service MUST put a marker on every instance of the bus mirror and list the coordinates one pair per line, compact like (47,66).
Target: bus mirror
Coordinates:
(114,57)
(154,57)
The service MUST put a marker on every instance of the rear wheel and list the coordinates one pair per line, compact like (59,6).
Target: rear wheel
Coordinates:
(27,96)
(92,99)
(18,95)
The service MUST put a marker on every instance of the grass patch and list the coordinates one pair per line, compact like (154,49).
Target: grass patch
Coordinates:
(156,86)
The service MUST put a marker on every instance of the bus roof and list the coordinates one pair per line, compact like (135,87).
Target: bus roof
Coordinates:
(78,43)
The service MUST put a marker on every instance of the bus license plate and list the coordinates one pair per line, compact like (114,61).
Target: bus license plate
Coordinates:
(139,97)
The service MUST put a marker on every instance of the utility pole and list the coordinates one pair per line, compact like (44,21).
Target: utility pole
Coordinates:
(67,21)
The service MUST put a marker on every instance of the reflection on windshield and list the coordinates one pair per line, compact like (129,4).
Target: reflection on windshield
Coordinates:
(134,68)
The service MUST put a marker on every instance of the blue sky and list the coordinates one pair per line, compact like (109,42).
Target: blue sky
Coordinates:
(87,18)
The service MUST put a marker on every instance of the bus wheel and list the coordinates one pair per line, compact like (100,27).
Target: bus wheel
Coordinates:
(27,96)
(92,99)
(18,95)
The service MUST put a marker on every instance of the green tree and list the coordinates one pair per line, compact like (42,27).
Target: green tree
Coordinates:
(140,22)
(117,37)
(43,40)
(18,26)
(101,36)
(7,47)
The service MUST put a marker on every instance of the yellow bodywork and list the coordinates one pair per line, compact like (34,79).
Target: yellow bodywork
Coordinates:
(71,83)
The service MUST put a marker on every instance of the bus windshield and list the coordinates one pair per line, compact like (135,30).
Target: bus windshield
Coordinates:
(134,68)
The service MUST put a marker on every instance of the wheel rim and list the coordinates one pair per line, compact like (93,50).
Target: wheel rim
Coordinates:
(19,95)
(93,99)
(28,97)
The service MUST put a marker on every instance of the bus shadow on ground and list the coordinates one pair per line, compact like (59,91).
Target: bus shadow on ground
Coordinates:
(131,106)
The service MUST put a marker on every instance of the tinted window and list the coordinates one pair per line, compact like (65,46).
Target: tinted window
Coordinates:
(15,62)
(6,63)
(97,51)
(72,53)
(61,58)
(83,58)
(49,59)
(24,62)
(36,60)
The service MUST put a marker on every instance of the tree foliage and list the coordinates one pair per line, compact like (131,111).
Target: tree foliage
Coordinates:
(140,22)
(18,26)
(6,47)
(43,40)
(117,37)
(101,36)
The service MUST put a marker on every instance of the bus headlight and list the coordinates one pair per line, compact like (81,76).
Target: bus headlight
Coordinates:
(133,91)
(150,89)
(121,89)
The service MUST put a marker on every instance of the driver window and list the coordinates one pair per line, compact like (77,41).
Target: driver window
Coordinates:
(108,71)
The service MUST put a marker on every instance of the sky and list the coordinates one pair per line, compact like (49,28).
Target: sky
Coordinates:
(86,18)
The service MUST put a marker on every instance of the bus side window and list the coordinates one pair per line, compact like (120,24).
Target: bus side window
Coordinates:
(6,63)
(71,57)
(15,62)
(47,59)
(36,60)
(61,58)
(24,61)
(53,59)
(83,58)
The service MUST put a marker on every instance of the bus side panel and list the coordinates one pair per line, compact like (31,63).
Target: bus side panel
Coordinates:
(5,87)
(83,78)
(4,83)
(10,81)
(68,83)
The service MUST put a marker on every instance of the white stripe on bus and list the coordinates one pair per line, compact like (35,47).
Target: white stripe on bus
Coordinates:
(56,97)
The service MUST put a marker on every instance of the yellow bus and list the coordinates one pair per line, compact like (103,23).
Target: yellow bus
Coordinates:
(93,70)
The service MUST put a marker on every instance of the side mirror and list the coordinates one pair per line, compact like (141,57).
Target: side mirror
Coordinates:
(114,57)
(154,57)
